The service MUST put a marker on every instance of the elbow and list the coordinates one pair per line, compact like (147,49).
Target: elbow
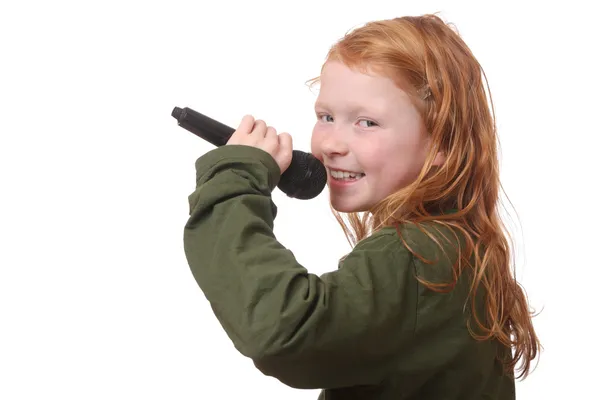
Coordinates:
(284,370)
(295,369)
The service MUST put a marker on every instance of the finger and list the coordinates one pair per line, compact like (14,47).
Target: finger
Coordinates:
(271,133)
(259,129)
(243,129)
(284,155)
(285,142)
(246,125)
(271,142)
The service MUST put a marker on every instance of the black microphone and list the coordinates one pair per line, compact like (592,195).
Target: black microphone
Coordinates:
(304,179)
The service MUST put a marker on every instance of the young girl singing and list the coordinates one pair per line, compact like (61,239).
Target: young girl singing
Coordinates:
(425,305)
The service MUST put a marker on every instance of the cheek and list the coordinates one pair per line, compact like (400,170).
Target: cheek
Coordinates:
(394,163)
(315,144)
(374,155)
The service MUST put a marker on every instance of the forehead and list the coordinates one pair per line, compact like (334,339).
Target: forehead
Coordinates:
(339,82)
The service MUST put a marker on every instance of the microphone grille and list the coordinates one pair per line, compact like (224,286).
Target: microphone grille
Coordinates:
(305,178)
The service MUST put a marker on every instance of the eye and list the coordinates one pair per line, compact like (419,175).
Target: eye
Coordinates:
(325,118)
(367,123)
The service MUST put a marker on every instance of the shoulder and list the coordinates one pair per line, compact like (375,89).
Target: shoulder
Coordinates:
(383,248)
(432,248)
(430,238)
(427,250)
(379,257)
(382,240)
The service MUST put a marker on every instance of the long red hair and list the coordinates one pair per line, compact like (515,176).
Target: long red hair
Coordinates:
(429,60)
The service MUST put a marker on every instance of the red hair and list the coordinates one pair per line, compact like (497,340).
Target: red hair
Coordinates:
(429,60)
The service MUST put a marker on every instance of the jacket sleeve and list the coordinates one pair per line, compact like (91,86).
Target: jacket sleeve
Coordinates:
(343,328)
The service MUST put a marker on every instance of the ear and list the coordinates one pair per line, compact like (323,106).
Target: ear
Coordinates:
(440,158)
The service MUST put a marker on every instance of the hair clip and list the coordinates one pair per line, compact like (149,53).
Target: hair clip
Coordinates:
(425,92)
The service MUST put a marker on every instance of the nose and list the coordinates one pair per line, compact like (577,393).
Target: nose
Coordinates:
(334,143)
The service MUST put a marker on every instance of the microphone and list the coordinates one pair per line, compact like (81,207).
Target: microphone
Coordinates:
(304,179)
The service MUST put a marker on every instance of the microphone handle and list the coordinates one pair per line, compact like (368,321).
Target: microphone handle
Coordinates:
(200,125)
(304,179)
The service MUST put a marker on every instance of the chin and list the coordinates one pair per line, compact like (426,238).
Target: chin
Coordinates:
(347,207)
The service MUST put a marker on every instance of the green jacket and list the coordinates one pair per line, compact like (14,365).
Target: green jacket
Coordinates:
(367,330)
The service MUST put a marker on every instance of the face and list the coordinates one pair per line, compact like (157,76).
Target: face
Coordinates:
(368,134)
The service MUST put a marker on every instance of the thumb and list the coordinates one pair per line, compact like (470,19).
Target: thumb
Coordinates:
(284,154)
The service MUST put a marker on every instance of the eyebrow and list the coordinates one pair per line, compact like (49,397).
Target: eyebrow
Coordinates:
(320,104)
(354,108)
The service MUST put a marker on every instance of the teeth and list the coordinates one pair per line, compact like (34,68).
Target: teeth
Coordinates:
(342,175)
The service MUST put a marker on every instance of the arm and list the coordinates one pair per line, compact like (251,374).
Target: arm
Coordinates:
(341,329)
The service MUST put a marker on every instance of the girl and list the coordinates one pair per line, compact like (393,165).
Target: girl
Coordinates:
(424,307)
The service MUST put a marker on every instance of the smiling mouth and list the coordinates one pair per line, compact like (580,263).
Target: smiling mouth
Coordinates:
(345,176)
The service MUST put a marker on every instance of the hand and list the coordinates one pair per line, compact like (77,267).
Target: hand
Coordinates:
(255,133)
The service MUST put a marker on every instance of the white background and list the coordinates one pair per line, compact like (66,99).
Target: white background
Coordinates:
(96,298)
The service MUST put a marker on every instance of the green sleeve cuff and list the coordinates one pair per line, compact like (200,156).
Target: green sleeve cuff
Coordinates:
(247,158)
